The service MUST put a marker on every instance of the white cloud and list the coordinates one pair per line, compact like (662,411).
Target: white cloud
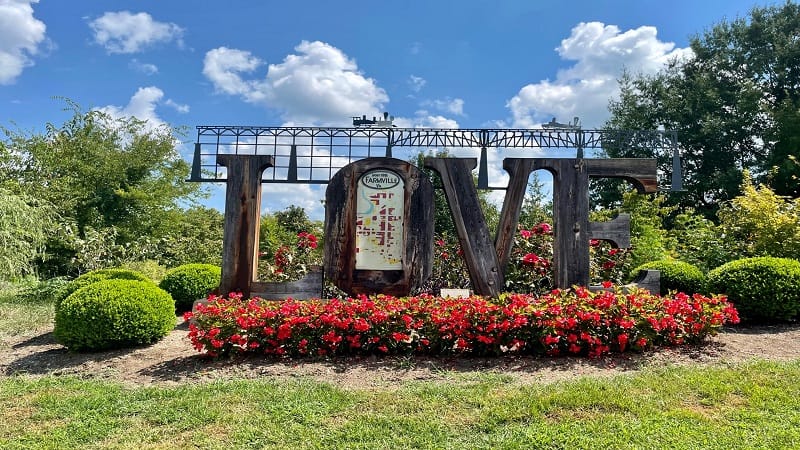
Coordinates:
(142,106)
(450,105)
(223,66)
(145,68)
(416,83)
(20,38)
(317,85)
(181,108)
(423,119)
(125,32)
(277,197)
(601,53)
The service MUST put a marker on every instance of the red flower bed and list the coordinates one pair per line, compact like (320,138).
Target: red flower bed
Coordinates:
(574,321)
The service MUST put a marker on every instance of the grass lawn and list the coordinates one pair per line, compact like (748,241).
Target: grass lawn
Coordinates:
(749,406)
(754,405)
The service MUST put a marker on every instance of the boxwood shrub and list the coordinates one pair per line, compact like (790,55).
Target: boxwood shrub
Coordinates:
(100,275)
(762,289)
(190,282)
(114,314)
(676,275)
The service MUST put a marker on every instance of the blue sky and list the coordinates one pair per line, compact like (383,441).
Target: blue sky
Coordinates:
(467,63)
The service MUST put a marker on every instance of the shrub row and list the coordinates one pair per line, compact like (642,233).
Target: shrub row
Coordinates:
(576,322)
(764,289)
(116,308)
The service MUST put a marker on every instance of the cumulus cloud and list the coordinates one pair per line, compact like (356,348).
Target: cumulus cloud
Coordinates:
(145,68)
(600,53)
(125,32)
(277,197)
(181,108)
(20,39)
(318,84)
(142,106)
(450,105)
(423,119)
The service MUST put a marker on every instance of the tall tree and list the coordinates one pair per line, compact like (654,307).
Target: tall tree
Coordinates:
(734,104)
(101,173)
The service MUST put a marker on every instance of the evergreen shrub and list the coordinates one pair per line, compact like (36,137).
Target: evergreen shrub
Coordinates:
(762,289)
(114,314)
(99,275)
(676,276)
(190,282)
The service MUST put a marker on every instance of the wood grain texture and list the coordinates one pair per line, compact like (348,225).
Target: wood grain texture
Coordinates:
(308,287)
(242,218)
(473,233)
(641,172)
(617,231)
(340,231)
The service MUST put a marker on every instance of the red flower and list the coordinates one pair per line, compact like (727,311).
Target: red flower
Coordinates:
(607,284)
(608,265)
(594,242)
(622,339)
(530,259)
(526,234)
(544,228)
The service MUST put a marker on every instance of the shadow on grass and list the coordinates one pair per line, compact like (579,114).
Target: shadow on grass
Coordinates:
(174,360)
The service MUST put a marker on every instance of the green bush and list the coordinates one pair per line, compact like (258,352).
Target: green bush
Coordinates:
(190,282)
(675,275)
(99,275)
(762,289)
(114,314)
(149,267)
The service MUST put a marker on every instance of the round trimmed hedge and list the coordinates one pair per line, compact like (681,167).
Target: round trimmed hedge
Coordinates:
(114,314)
(762,289)
(675,276)
(100,275)
(190,282)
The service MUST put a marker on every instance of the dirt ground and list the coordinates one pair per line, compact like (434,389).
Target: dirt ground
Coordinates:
(174,361)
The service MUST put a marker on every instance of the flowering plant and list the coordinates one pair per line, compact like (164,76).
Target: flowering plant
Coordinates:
(290,261)
(530,266)
(574,321)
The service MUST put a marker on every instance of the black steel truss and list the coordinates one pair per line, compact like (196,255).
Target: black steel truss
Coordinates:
(311,155)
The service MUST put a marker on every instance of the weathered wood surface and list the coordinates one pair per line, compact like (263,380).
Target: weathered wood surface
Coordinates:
(520,170)
(648,279)
(617,231)
(572,229)
(242,218)
(308,287)
(641,172)
(473,233)
(340,231)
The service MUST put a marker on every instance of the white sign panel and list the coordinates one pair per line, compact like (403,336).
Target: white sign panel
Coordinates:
(379,221)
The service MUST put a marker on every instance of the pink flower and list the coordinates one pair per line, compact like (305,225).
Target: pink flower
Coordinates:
(526,234)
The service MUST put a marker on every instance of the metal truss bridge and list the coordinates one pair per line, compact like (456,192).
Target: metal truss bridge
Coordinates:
(312,155)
